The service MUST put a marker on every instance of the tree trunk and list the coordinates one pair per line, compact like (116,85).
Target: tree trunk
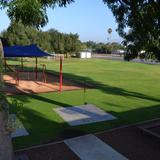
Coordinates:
(6,152)
(1,63)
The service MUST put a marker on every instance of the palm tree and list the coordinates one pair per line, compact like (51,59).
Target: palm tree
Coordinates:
(109,31)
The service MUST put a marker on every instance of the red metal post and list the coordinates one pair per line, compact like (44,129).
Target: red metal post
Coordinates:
(60,76)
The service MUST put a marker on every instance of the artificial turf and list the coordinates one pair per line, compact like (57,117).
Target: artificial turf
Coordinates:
(130,91)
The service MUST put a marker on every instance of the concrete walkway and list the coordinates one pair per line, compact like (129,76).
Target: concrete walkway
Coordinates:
(89,147)
(5,139)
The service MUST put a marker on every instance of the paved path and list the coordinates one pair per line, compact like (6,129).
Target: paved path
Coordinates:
(89,147)
(121,58)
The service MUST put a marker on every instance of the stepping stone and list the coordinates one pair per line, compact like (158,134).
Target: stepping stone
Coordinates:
(19,133)
(84,114)
(89,147)
(18,125)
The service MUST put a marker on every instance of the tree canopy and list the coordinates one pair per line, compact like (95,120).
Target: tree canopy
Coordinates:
(142,17)
(51,40)
(104,48)
(31,12)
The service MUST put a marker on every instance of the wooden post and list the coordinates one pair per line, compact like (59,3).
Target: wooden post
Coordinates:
(6,151)
(5,64)
(1,63)
(22,63)
(36,70)
(60,76)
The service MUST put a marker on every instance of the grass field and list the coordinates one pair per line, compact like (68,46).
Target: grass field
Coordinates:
(130,91)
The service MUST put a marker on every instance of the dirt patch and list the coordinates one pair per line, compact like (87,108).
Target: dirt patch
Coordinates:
(132,143)
(28,84)
(52,152)
(152,129)
(129,141)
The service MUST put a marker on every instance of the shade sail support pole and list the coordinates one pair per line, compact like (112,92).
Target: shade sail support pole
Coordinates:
(36,70)
(22,63)
(5,64)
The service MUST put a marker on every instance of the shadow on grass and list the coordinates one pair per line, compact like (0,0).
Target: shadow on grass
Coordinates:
(86,81)
(123,118)
(89,82)
(43,129)
(26,98)
(51,101)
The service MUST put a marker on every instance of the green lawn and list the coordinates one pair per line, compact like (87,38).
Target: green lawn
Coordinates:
(130,91)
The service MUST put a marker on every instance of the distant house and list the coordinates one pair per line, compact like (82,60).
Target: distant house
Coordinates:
(85,54)
(55,56)
(118,52)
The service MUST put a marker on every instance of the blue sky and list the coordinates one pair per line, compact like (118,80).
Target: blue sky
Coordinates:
(89,18)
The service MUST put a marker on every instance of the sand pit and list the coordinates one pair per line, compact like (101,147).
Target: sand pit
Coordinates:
(28,84)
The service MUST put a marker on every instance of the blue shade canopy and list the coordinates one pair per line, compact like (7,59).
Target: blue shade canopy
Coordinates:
(24,51)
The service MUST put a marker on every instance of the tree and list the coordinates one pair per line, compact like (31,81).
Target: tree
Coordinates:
(143,19)
(50,41)
(31,12)
(16,34)
(103,47)
(109,31)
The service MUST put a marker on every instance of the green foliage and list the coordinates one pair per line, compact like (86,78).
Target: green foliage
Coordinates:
(1,65)
(3,102)
(16,34)
(31,12)
(51,40)
(126,90)
(143,19)
(103,47)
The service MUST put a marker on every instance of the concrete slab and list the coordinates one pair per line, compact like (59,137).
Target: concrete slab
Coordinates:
(19,128)
(89,147)
(84,114)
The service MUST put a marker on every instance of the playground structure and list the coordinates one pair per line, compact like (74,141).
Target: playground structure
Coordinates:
(27,72)
(25,82)
(32,79)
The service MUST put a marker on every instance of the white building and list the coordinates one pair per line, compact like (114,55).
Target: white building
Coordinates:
(85,54)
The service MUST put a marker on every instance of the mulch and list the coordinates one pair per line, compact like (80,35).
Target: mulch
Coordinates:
(129,141)
(53,152)
(132,143)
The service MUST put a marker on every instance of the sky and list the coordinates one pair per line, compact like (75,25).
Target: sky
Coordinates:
(90,19)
